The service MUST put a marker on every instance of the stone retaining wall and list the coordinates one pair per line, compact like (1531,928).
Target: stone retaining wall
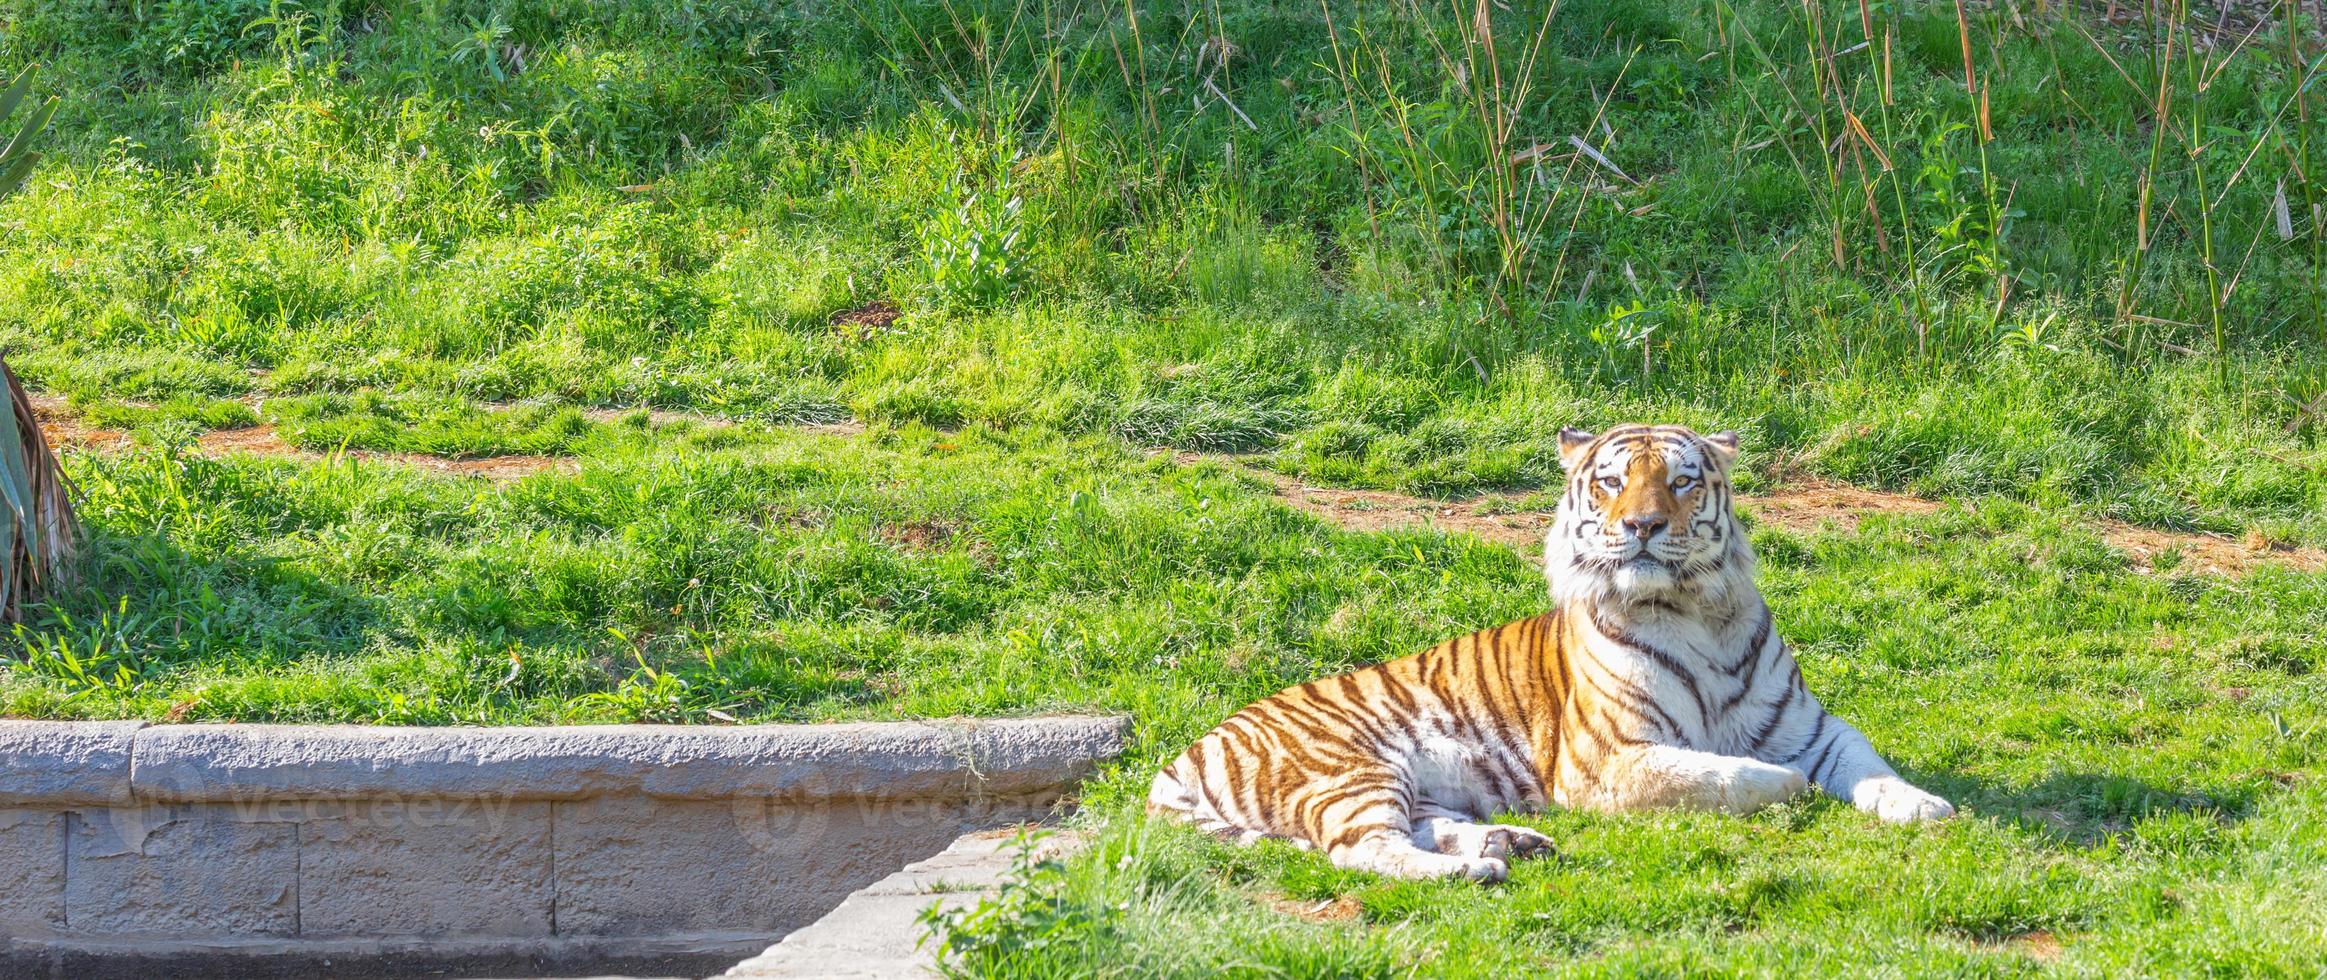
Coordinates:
(249,850)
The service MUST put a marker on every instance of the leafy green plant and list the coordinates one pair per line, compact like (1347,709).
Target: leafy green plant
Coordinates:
(973,245)
(18,157)
(649,694)
(1030,917)
(1627,326)
(646,695)
(194,34)
(485,43)
(98,660)
(1964,237)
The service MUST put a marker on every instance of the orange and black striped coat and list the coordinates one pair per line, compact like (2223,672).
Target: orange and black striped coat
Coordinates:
(1656,680)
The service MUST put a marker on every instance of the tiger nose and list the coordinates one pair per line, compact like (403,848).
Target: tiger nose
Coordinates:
(1645,526)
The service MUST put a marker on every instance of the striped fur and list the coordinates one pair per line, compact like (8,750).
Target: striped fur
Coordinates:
(1656,680)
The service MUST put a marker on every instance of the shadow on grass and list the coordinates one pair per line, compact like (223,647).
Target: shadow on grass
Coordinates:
(2083,809)
(149,625)
(143,605)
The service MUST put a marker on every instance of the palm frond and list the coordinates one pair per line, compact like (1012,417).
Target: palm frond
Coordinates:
(38,537)
(18,156)
(40,534)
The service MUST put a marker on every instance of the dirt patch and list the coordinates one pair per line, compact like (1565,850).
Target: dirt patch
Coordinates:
(926,537)
(58,427)
(1375,510)
(1808,505)
(866,322)
(2174,552)
(657,417)
(660,417)
(63,431)
(1811,505)
(2039,945)
(1801,508)
(1343,908)
(262,440)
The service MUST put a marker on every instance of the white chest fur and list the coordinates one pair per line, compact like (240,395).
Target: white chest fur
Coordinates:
(1696,670)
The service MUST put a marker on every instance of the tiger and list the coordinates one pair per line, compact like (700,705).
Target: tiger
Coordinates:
(1656,680)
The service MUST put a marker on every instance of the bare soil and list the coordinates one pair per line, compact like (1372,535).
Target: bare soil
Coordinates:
(867,321)
(659,417)
(1802,506)
(262,440)
(1344,908)
(65,431)
(2040,945)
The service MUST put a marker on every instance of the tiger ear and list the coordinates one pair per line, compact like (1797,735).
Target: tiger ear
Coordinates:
(1724,445)
(1572,443)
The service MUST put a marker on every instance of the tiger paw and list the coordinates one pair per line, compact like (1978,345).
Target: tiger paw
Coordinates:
(1462,838)
(1894,800)
(1509,842)
(1424,864)
(1755,784)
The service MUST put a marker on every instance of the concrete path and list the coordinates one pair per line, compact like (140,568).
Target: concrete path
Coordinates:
(875,932)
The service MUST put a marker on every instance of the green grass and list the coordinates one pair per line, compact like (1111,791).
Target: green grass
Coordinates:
(2139,755)
(765,574)
(2139,761)
(1351,241)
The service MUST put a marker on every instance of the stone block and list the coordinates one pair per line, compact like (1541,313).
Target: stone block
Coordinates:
(181,872)
(631,866)
(32,872)
(66,763)
(439,868)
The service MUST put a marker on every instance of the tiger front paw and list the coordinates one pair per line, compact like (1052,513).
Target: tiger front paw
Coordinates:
(1894,800)
(1426,864)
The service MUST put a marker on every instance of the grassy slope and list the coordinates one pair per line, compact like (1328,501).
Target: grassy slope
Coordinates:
(643,204)
(379,216)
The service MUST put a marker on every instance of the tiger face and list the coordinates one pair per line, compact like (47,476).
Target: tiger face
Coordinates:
(1646,512)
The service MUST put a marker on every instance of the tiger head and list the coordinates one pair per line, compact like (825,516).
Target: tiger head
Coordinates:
(1646,516)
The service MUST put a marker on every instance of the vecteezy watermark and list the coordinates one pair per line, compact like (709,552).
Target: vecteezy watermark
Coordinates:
(812,816)
(387,811)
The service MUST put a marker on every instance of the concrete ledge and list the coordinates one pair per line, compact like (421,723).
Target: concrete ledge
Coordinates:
(65,763)
(379,851)
(888,760)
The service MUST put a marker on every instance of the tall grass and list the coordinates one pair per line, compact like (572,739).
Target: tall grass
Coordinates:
(1470,138)
(1202,223)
